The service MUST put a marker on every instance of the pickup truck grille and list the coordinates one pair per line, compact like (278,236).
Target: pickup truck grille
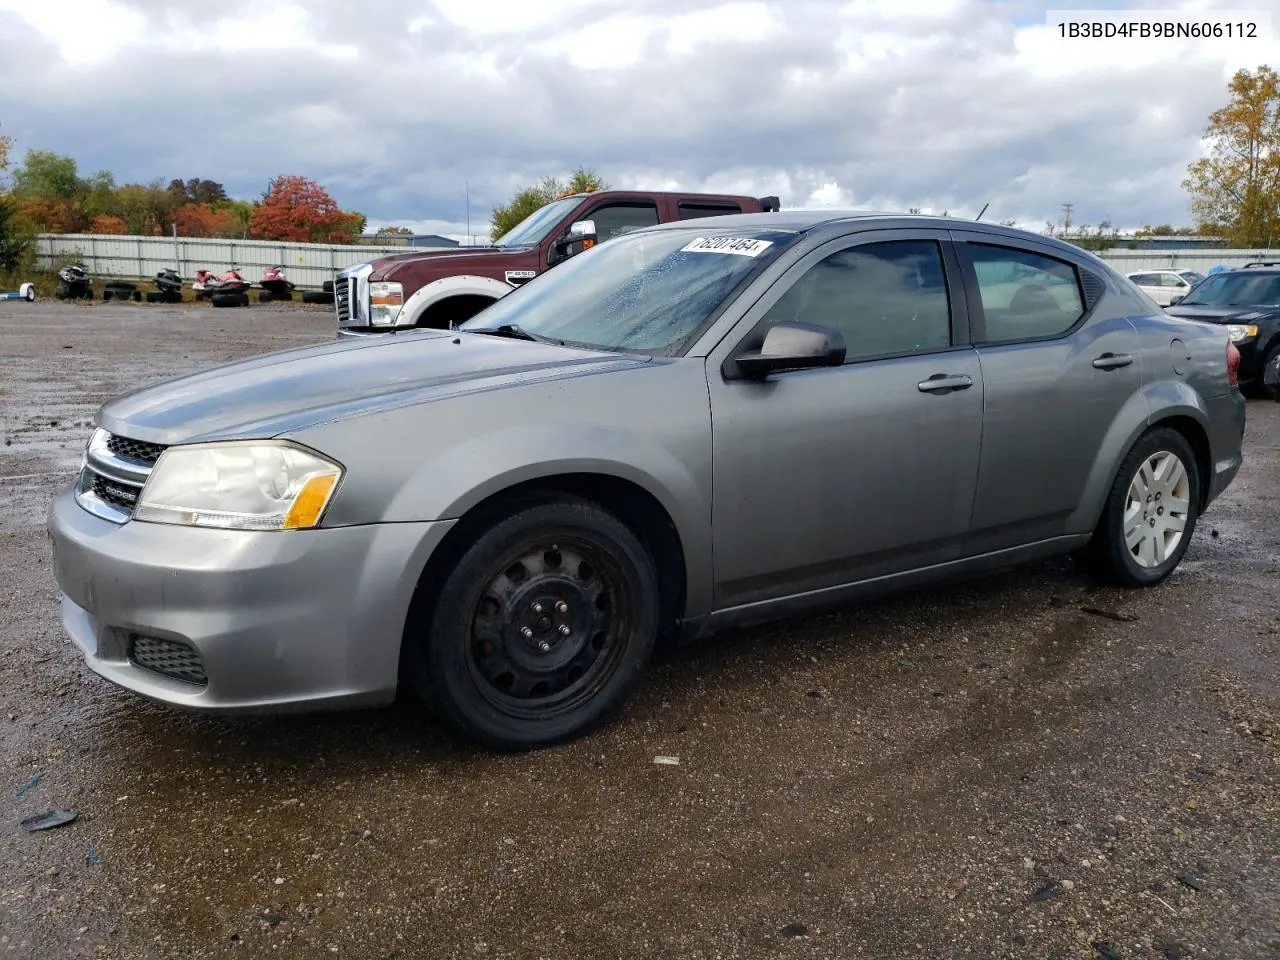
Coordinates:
(343,288)
(115,470)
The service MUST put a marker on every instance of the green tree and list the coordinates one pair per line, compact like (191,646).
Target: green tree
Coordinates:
(1235,190)
(1094,239)
(394,232)
(529,199)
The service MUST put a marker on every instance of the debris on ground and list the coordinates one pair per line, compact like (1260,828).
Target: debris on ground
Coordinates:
(31,782)
(47,821)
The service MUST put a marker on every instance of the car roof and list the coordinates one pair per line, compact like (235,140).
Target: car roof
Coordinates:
(836,221)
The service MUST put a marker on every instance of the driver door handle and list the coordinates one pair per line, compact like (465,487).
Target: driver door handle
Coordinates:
(942,381)
(1109,361)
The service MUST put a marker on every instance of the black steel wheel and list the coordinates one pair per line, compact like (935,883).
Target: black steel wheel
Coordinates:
(542,629)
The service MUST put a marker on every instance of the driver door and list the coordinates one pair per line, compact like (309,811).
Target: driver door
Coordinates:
(828,476)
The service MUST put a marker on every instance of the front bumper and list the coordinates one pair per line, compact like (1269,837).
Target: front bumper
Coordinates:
(272,620)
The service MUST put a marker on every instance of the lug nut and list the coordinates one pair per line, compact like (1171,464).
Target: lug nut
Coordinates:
(564,629)
(544,646)
(526,632)
(537,608)
(562,607)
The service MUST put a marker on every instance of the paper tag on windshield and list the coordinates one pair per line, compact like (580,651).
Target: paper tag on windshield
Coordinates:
(742,246)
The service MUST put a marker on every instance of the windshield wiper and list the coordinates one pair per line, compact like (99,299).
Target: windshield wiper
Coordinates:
(515,333)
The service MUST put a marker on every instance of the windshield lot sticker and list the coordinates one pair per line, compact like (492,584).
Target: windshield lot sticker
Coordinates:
(742,246)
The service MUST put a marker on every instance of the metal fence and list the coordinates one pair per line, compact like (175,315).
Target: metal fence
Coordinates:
(311,264)
(1129,261)
(308,265)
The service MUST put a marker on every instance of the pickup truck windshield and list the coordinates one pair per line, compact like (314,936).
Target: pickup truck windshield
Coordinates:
(538,224)
(648,292)
(1239,288)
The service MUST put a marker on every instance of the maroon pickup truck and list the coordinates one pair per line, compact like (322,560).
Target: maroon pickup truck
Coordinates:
(442,288)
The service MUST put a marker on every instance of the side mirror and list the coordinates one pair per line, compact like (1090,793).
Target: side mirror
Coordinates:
(581,236)
(1177,297)
(793,346)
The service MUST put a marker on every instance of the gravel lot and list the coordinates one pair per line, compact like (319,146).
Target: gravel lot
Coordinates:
(1023,766)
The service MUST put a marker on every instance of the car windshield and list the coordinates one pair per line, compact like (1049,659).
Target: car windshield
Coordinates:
(1236,289)
(538,224)
(648,292)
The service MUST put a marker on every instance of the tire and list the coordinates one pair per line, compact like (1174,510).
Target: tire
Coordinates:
(153,296)
(264,296)
(1107,555)
(1269,374)
(244,299)
(107,295)
(227,299)
(327,286)
(317,296)
(137,296)
(470,661)
(63,291)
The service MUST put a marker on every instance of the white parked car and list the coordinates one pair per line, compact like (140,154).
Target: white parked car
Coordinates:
(1166,287)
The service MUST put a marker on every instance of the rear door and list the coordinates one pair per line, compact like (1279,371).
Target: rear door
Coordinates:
(1058,365)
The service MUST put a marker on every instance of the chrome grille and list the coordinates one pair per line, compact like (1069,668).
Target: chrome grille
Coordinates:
(137,451)
(116,494)
(342,298)
(114,472)
(168,658)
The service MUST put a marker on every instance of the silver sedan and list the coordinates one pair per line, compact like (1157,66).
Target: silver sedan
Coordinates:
(689,428)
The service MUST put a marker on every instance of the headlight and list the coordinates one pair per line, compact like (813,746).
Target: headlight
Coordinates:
(244,485)
(1241,331)
(385,301)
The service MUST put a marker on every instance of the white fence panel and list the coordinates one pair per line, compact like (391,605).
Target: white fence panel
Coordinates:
(1129,261)
(311,264)
(308,265)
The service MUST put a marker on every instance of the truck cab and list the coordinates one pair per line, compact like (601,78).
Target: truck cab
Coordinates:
(440,289)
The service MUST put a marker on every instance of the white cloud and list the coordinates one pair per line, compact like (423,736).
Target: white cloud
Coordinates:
(937,104)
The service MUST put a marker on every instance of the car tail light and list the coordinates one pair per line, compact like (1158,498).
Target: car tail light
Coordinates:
(1233,364)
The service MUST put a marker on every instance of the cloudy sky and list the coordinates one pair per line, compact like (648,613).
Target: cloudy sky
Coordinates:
(396,105)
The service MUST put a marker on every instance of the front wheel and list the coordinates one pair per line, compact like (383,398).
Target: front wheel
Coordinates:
(1150,514)
(541,630)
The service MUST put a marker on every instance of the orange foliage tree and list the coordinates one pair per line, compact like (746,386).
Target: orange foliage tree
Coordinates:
(108,224)
(299,210)
(1235,190)
(203,220)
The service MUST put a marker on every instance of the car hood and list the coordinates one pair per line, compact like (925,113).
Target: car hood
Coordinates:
(292,389)
(1225,314)
(385,267)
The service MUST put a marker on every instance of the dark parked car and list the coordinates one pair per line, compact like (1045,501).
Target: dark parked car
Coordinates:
(1247,303)
(689,428)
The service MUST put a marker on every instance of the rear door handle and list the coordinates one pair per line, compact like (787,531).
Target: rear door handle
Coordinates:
(1109,361)
(942,381)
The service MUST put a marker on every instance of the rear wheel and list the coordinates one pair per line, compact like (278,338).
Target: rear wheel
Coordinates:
(542,628)
(1150,514)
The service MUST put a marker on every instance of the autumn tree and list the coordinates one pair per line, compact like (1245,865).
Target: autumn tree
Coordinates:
(299,210)
(1235,190)
(108,225)
(530,199)
(15,237)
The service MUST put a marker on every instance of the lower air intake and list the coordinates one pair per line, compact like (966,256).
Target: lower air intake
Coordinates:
(168,658)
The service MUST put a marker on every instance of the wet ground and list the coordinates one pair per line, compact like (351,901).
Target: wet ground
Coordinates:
(1025,766)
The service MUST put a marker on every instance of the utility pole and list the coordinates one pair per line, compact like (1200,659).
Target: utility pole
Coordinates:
(1066,216)
(468,188)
